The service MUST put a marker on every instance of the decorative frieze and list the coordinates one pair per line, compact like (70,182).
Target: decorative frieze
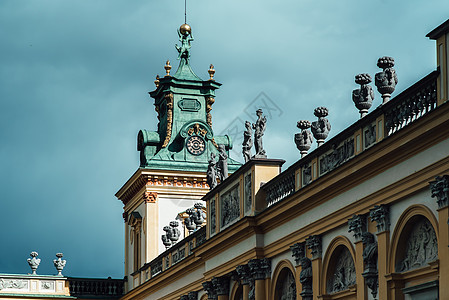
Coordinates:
(313,243)
(357,225)
(298,252)
(16,284)
(440,190)
(380,214)
(260,268)
(230,206)
(338,156)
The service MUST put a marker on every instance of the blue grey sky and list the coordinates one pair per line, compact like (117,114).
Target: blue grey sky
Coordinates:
(74,77)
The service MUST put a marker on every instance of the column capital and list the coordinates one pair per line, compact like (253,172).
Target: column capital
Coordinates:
(313,242)
(210,290)
(380,214)
(357,225)
(260,268)
(440,190)
(244,274)
(298,252)
(221,285)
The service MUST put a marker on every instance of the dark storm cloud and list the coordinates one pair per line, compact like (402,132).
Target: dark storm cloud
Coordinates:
(74,77)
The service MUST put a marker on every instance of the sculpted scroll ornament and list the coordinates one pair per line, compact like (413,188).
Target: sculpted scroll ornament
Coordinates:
(421,247)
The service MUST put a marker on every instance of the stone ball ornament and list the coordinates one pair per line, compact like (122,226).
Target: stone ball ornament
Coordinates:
(185,29)
(303,124)
(385,62)
(363,78)
(321,112)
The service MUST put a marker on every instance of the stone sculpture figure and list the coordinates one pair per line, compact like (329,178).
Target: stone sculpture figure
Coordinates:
(189,221)
(364,96)
(247,141)
(370,259)
(59,263)
(211,176)
(222,166)
(387,79)
(305,277)
(259,130)
(303,140)
(34,262)
(321,127)
(185,37)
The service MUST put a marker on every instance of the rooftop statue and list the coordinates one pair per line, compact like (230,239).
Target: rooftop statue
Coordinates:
(303,139)
(222,166)
(247,141)
(185,37)
(259,130)
(364,96)
(321,128)
(211,175)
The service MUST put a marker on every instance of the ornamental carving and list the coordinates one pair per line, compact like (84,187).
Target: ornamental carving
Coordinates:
(59,263)
(440,190)
(304,139)
(370,135)
(221,285)
(230,206)
(380,214)
(306,175)
(18,284)
(169,100)
(305,277)
(209,102)
(247,191)
(47,285)
(244,274)
(387,79)
(364,96)
(357,225)
(342,275)
(298,252)
(150,197)
(338,156)
(314,243)
(322,126)
(210,290)
(260,268)
(171,235)
(193,296)
(212,218)
(421,247)
(34,262)
(286,287)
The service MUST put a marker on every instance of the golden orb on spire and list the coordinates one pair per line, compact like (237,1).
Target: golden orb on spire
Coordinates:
(185,28)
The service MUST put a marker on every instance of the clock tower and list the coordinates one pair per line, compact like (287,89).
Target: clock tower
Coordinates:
(173,159)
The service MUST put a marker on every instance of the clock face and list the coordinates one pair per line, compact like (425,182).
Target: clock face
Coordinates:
(196,145)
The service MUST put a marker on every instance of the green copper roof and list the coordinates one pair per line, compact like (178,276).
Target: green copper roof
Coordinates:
(185,71)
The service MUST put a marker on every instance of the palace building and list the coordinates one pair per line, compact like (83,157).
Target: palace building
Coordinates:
(362,216)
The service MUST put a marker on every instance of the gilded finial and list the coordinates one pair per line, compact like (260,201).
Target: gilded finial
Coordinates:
(156,82)
(211,72)
(167,68)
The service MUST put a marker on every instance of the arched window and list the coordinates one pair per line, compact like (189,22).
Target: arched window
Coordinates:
(285,285)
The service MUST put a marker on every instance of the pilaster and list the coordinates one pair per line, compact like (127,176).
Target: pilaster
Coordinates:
(314,244)
(381,214)
(357,225)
